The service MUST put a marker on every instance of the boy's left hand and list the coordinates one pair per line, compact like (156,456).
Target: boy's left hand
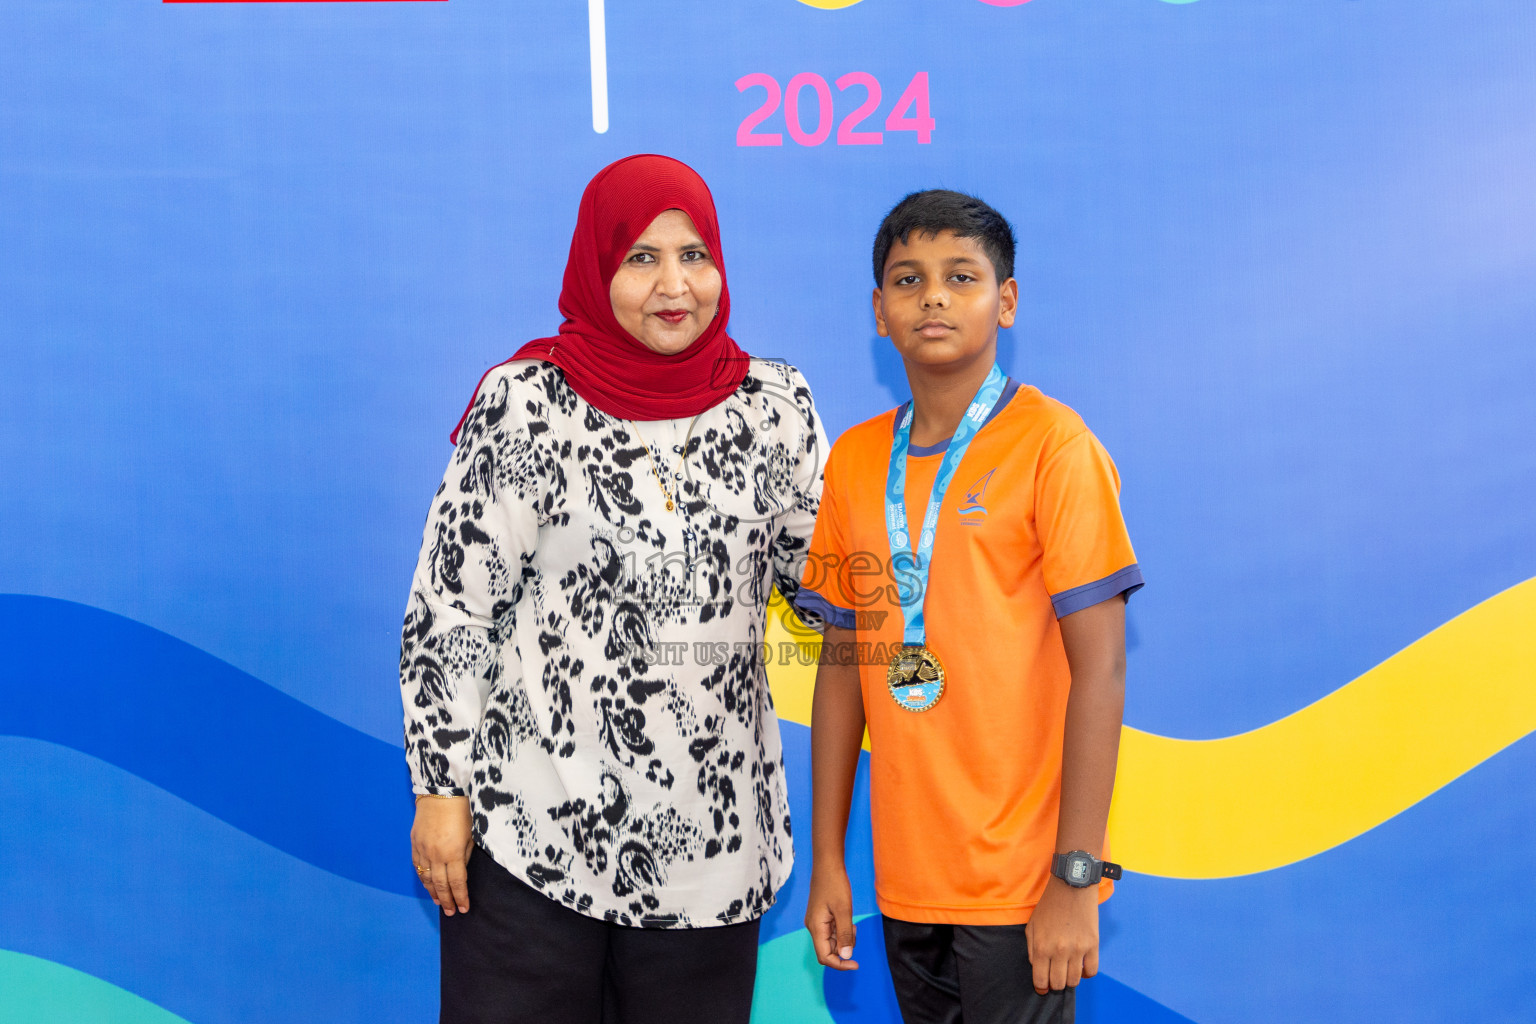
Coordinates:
(1063,936)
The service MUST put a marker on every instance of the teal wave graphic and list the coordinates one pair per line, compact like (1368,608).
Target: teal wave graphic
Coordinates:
(40,991)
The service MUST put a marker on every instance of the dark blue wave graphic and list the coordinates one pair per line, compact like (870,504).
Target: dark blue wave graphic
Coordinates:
(198,727)
(112,875)
(297,780)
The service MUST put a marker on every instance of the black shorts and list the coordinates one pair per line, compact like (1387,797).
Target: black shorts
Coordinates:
(519,956)
(976,974)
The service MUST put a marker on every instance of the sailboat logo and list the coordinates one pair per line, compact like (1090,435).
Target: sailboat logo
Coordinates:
(972,511)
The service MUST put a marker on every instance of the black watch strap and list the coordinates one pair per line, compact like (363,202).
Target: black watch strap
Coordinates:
(1061,867)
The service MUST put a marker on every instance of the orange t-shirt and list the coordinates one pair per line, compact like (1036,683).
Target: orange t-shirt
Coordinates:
(964,797)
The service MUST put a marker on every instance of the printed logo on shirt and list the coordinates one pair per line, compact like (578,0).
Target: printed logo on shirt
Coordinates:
(972,511)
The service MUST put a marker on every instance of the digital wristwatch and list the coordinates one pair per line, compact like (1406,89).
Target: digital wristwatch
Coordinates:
(1080,870)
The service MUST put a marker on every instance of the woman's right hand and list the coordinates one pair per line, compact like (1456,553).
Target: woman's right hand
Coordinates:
(441,838)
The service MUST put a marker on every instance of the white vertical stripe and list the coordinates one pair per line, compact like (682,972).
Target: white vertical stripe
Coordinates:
(597,33)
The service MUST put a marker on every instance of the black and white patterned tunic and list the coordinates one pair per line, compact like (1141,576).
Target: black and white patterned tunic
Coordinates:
(586,665)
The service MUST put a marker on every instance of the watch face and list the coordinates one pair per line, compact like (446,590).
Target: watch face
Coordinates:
(1077,870)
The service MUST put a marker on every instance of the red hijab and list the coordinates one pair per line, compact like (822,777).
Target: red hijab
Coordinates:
(604,363)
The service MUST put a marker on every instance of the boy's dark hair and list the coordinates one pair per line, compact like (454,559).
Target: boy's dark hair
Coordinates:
(938,209)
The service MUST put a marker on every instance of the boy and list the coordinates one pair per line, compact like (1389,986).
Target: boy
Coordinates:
(971,566)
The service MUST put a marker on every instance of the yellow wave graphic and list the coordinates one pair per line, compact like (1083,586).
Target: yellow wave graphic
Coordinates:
(830,5)
(1316,778)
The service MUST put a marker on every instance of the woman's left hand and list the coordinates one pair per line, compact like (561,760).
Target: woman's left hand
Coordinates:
(441,838)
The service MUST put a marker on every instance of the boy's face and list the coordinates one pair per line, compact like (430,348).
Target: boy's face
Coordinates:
(940,302)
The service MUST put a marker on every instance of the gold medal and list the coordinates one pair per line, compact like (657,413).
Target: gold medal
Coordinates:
(915,678)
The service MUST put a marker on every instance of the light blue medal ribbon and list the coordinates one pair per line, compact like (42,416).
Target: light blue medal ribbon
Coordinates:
(914,693)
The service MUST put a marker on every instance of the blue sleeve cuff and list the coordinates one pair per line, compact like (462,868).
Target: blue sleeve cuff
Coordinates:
(812,603)
(1126,581)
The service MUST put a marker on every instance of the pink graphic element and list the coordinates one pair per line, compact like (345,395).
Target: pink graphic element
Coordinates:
(1005,3)
(792,109)
(744,134)
(911,111)
(847,133)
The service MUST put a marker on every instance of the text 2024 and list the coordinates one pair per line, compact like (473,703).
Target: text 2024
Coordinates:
(807,97)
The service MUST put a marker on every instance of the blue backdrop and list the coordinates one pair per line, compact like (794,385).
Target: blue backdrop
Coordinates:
(253,257)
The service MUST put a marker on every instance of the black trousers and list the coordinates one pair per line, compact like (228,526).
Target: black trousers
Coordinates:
(968,974)
(519,956)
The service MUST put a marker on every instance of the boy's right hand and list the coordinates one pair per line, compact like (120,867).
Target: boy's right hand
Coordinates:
(829,917)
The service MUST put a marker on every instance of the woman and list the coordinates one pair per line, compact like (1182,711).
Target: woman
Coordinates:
(601,812)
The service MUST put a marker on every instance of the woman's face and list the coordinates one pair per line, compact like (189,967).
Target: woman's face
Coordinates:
(667,285)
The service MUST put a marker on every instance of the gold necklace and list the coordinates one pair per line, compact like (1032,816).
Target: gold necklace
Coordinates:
(655,469)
